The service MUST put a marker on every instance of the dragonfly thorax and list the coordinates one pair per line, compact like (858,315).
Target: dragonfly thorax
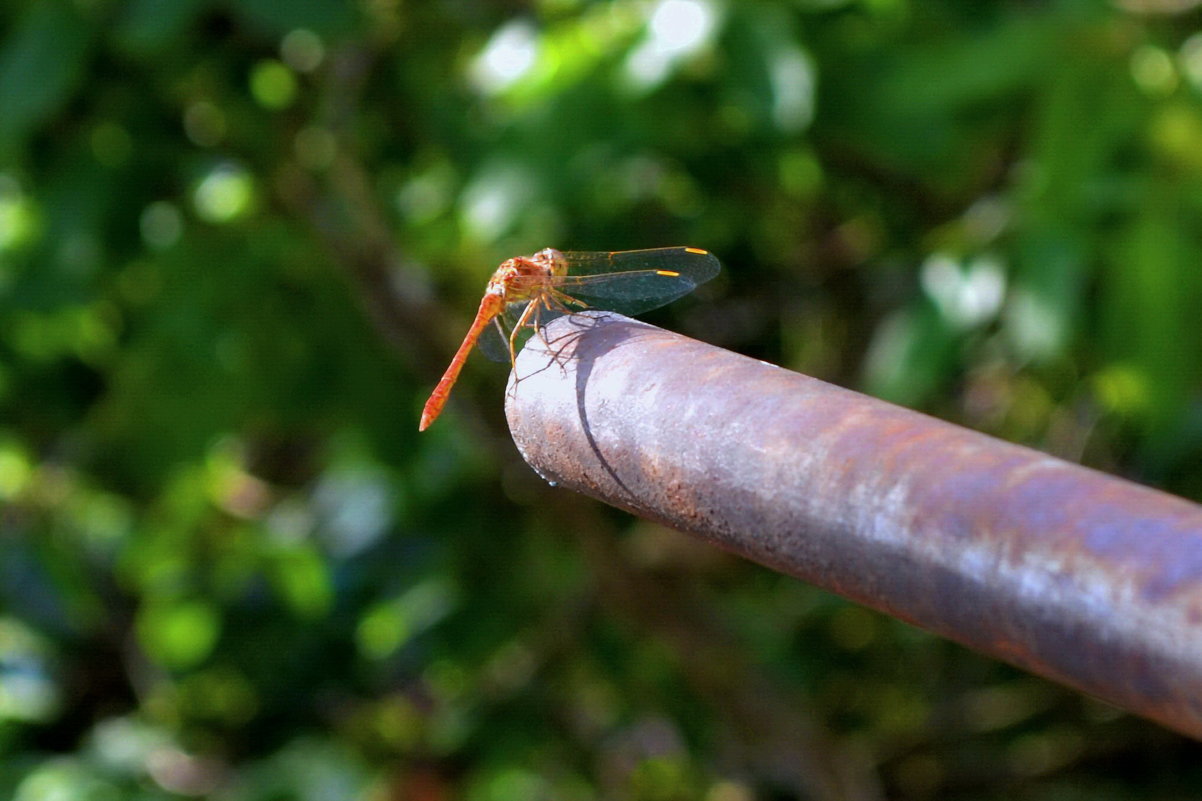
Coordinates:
(518,277)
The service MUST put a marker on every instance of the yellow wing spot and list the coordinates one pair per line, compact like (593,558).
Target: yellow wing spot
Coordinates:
(698,251)
(668,273)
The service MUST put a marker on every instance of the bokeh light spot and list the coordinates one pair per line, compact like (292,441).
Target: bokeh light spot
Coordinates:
(1036,326)
(389,625)
(1190,59)
(178,634)
(426,195)
(509,55)
(27,690)
(793,82)
(224,194)
(17,217)
(493,201)
(514,783)
(302,50)
(64,779)
(303,582)
(125,743)
(382,631)
(675,30)
(273,85)
(681,25)
(161,224)
(729,791)
(1176,136)
(15,472)
(1153,71)
(1121,389)
(204,123)
(967,295)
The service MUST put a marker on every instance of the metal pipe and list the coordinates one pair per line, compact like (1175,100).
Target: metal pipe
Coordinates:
(1083,578)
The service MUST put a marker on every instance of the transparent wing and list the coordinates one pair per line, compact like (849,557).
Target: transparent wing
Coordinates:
(693,263)
(634,281)
(494,344)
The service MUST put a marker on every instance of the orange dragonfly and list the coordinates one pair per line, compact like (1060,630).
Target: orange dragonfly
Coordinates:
(527,291)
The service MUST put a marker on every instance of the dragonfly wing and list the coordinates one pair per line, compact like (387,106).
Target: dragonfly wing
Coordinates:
(494,343)
(635,281)
(627,293)
(694,263)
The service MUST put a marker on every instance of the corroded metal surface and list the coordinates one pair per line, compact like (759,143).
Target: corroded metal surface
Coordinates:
(1081,577)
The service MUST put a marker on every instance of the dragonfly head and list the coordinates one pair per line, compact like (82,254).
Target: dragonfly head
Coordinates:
(552,260)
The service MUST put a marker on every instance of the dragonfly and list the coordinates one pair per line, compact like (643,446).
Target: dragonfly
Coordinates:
(526,292)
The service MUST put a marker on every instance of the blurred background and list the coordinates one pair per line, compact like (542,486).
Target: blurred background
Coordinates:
(240,239)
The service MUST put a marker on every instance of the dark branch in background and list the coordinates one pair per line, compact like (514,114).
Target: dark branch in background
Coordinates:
(342,208)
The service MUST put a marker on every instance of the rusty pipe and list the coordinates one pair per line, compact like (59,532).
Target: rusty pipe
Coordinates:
(1086,579)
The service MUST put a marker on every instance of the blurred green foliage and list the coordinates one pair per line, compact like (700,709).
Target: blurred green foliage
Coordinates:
(240,238)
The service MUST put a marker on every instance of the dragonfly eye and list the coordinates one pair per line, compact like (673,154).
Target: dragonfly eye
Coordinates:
(553,259)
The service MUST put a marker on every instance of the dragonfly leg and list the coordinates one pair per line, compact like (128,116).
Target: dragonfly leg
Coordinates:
(556,300)
(563,300)
(504,336)
(546,301)
(500,328)
(523,322)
